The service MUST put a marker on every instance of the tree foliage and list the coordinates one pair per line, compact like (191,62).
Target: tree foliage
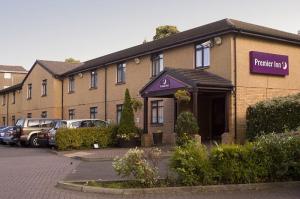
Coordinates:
(165,31)
(72,60)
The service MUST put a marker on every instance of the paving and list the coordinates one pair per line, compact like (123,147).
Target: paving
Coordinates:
(33,173)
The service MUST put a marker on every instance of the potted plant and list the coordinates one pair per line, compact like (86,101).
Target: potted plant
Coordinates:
(127,134)
(157,137)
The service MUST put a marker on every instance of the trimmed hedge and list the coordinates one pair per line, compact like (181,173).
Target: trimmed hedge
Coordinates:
(277,115)
(82,138)
(269,158)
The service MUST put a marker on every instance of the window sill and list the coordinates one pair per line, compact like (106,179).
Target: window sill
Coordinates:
(70,92)
(93,88)
(43,95)
(29,98)
(120,83)
(156,124)
(201,67)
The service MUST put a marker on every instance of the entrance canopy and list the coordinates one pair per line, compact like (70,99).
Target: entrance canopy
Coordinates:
(171,80)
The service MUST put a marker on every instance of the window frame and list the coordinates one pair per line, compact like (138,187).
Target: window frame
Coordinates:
(94,79)
(13,97)
(155,105)
(122,68)
(119,109)
(71,114)
(44,114)
(157,61)
(3,99)
(13,120)
(93,112)
(71,84)
(7,75)
(29,115)
(4,120)
(201,48)
(44,88)
(29,91)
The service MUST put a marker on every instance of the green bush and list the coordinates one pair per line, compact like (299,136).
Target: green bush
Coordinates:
(186,126)
(83,138)
(127,129)
(134,164)
(276,115)
(192,165)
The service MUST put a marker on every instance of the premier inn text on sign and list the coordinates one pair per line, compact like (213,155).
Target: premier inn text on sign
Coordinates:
(267,63)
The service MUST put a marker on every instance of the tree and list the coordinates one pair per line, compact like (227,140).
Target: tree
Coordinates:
(72,60)
(165,31)
(127,129)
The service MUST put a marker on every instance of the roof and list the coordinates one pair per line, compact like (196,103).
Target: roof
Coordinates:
(8,68)
(57,67)
(11,88)
(204,32)
(187,78)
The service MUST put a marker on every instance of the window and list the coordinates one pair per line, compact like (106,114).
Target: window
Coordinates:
(3,100)
(157,64)
(13,101)
(29,91)
(157,112)
(121,69)
(29,115)
(7,75)
(202,55)
(71,87)
(119,112)
(93,112)
(44,114)
(71,114)
(44,87)
(47,123)
(13,120)
(3,121)
(93,79)
(33,123)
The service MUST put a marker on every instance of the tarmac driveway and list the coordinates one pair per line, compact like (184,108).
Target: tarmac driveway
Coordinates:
(27,173)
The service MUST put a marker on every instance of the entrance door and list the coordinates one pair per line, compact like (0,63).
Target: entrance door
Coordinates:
(217,118)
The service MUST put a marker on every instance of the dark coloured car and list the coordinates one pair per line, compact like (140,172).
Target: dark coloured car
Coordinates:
(9,135)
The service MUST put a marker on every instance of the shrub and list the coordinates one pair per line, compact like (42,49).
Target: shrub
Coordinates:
(134,164)
(192,165)
(276,115)
(186,126)
(127,129)
(82,138)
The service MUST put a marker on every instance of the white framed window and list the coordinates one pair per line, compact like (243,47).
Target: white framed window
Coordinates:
(121,73)
(29,91)
(157,64)
(7,75)
(71,86)
(44,88)
(94,79)
(93,112)
(119,112)
(157,112)
(202,53)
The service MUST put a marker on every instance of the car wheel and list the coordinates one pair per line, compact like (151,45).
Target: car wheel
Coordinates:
(34,142)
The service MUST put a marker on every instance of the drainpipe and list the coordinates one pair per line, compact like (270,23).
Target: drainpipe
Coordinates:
(105,94)
(7,100)
(62,99)
(235,89)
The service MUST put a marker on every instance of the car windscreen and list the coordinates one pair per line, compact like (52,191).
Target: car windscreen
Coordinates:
(20,122)
(99,123)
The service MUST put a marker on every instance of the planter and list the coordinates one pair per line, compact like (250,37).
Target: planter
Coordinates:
(129,143)
(157,138)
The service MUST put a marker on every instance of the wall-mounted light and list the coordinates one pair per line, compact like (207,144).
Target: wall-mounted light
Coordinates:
(80,75)
(218,41)
(137,60)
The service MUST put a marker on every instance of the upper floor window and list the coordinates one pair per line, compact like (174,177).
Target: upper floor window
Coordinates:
(13,100)
(3,99)
(71,87)
(29,91)
(202,55)
(71,114)
(93,112)
(119,112)
(157,64)
(93,79)
(7,75)
(44,114)
(121,70)
(157,112)
(44,87)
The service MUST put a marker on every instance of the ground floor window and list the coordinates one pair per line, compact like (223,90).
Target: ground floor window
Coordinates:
(44,114)
(157,112)
(119,112)
(93,112)
(3,121)
(29,115)
(71,114)
(13,120)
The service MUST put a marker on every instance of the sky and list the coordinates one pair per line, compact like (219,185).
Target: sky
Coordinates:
(86,29)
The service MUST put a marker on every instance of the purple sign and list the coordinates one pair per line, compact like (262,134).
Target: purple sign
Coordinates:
(165,82)
(266,63)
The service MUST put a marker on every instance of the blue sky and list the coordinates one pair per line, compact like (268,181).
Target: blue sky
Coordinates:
(86,29)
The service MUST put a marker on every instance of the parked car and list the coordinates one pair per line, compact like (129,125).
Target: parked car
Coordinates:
(8,135)
(28,129)
(49,135)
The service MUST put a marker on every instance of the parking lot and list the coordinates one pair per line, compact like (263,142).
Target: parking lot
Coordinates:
(29,173)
